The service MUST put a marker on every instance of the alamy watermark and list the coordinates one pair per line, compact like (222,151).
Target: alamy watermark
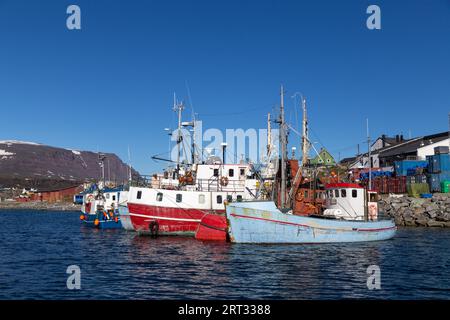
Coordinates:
(73,21)
(240,144)
(74,279)
(374,20)
(374,277)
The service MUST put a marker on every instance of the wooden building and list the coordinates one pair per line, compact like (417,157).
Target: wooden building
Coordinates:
(57,195)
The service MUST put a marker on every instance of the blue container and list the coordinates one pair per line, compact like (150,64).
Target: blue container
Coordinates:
(426,195)
(434,180)
(430,164)
(440,163)
(401,167)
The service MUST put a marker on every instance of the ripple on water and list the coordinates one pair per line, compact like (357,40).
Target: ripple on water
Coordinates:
(37,247)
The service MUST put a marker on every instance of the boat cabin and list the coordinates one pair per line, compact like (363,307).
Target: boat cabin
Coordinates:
(348,201)
(210,177)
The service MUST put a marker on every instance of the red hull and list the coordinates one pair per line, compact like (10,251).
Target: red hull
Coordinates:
(170,221)
(212,227)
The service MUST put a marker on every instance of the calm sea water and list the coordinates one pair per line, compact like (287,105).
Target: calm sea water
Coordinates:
(37,247)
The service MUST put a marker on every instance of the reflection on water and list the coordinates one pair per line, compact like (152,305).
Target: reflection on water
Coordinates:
(37,247)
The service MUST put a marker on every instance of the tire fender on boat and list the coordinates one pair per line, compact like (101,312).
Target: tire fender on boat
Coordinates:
(153,227)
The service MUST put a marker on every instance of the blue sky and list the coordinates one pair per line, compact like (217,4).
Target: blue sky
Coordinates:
(110,85)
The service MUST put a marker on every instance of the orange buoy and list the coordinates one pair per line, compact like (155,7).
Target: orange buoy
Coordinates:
(82,217)
(96,222)
(116,219)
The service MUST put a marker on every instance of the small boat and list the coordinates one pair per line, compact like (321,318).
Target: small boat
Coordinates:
(343,221)
(100,209)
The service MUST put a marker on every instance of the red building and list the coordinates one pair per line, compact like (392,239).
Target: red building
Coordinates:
(57,195)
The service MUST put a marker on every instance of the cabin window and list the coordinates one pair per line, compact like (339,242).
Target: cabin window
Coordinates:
(330,193)
(139,194)
(201,198)
(306,194)
(219,199)
(113,198)
(216,172)
(229,198)
(336,193)
(107,196)
(343,193)
(242,172)
(354,193)
(159,196)
(373,197)
(231,173)
(239,198)
(179,197)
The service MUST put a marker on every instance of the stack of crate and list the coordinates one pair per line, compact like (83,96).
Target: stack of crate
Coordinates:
(439,170)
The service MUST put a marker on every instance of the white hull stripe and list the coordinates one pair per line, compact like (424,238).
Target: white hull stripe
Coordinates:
(163,218)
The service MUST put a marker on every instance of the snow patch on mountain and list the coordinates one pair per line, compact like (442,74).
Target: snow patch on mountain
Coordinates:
(10,142)
(6,153)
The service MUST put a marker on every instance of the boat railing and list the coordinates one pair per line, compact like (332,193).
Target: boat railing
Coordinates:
(142,181)
(206,185)
(213,184)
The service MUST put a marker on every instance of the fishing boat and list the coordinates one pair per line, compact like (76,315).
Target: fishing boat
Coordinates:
(176,206)
(175,202)
(351,215)
(100,209)
(349,212)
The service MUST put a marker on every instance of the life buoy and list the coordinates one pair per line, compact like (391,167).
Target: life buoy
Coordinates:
(299,196)
(89,198)
(223,181)
(153,227)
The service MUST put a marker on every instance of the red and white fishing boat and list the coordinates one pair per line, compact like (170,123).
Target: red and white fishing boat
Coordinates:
(176,206)
(175,202)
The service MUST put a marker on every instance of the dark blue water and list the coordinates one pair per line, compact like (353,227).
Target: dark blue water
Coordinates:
(37,247)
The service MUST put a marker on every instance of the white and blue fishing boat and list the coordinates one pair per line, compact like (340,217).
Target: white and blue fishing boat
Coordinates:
(344,220)
(350,215)
(100,209)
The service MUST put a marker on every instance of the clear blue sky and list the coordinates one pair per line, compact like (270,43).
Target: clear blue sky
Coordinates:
(109,85)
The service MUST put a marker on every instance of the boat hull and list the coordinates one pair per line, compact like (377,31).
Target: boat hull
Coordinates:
(103,224)
(262,222)
(212,227)
(125,218)
(169,220)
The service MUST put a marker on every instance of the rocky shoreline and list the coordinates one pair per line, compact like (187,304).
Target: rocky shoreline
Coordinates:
(417,212)
(39,205)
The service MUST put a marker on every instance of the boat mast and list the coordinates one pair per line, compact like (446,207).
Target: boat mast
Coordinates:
(283,150)
(366,193)
(178,107)
(269,136)
(194,156)
(369,161)
(305,152)
(129,167)
(305,142)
